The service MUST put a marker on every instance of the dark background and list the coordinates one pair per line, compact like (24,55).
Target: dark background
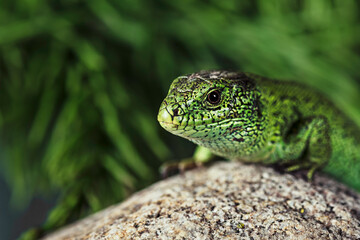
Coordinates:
(81,83)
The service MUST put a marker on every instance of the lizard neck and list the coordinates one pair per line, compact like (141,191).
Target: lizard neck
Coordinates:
(236,139)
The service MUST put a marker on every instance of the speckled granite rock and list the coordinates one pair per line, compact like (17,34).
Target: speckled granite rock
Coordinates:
(228,200)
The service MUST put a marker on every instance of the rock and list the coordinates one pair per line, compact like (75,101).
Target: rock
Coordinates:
(229,200)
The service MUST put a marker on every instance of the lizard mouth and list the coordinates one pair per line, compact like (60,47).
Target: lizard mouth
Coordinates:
(178,123)
(168,125)
(172,122)
(166,119)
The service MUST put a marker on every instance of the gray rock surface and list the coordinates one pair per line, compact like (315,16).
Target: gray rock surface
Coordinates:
(228,200)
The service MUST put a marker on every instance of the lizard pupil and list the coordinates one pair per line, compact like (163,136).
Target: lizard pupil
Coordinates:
(214,97)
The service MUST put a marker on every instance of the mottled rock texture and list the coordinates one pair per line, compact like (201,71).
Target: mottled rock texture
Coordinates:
(228,200)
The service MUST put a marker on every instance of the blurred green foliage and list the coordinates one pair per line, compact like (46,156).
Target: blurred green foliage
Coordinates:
(81,81)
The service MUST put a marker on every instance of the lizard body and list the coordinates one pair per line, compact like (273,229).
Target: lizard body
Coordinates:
(242,116)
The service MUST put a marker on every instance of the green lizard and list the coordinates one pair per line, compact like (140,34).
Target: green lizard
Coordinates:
(242,116)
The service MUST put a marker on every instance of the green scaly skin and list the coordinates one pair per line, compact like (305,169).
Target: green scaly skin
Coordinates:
(245,117)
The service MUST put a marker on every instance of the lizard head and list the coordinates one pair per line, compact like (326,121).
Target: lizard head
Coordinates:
(212,108)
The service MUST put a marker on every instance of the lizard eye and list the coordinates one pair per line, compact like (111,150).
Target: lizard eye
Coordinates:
(213,97)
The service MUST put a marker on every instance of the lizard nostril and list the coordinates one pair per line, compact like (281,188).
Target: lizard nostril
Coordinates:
(176,112)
